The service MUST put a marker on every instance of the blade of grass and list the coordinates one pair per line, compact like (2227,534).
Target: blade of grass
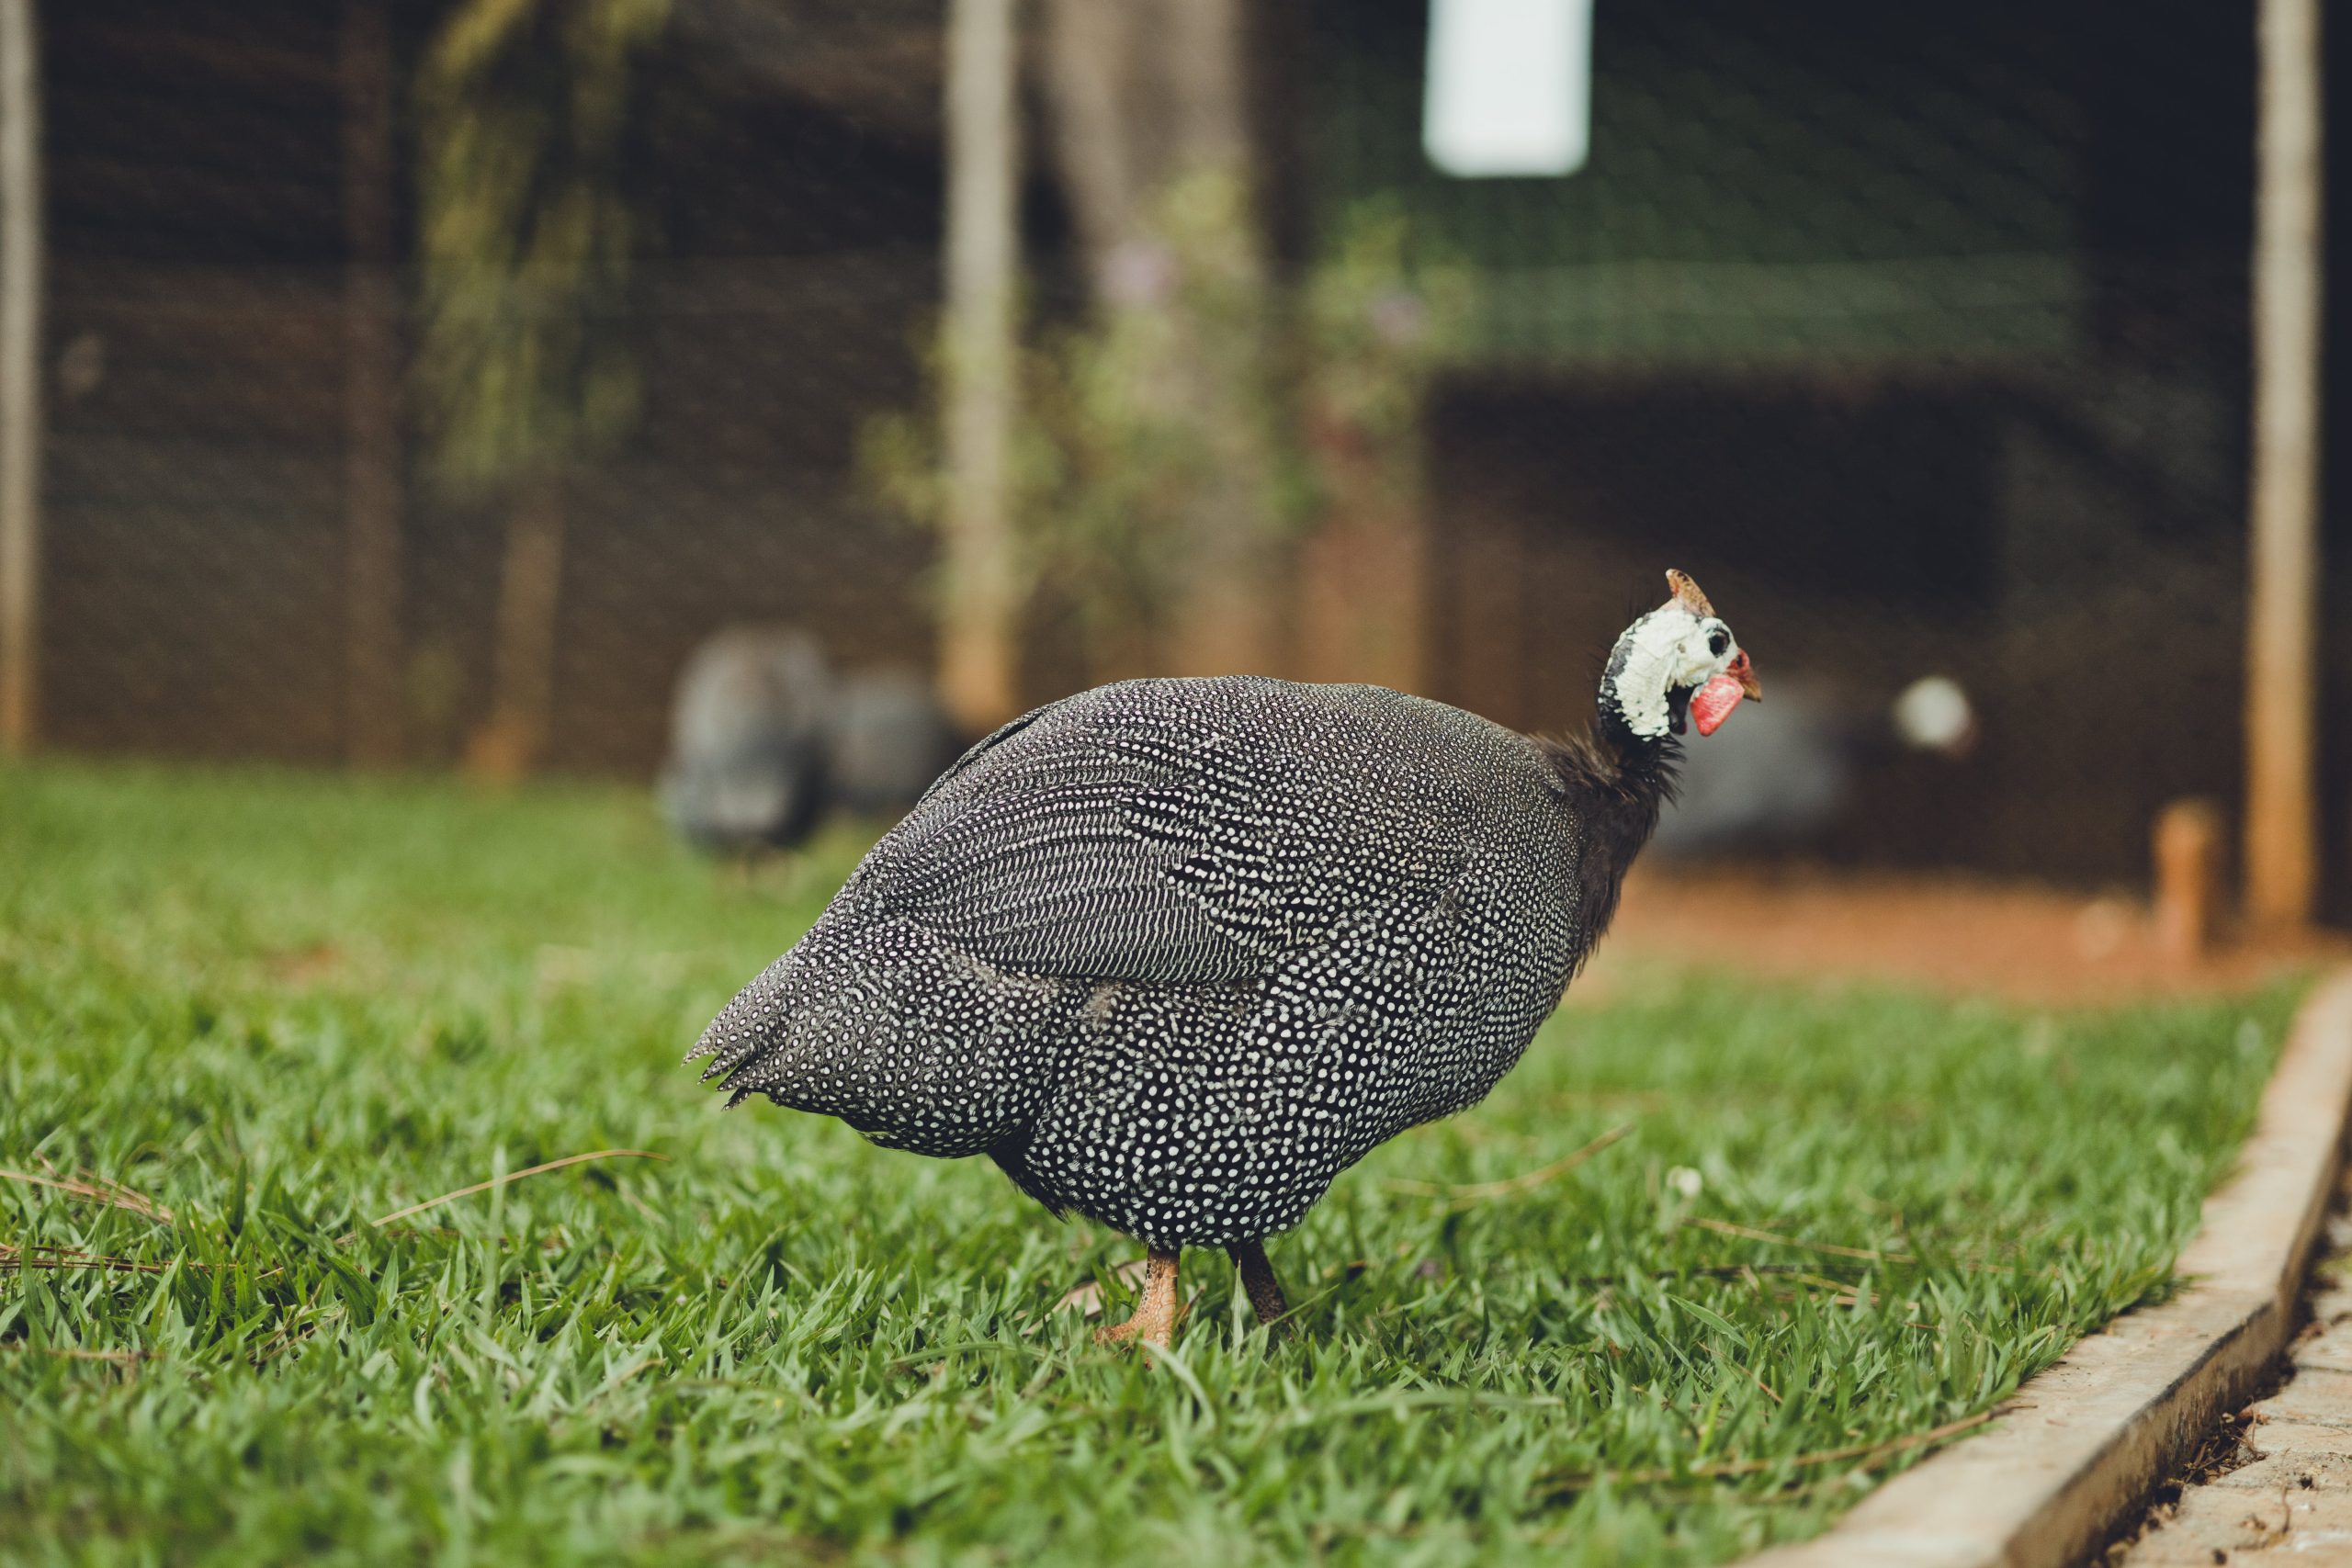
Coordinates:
(1480,1192)
(1749,1232)
(1859,1454)
(516,1176)
(44,1258)
(111,1192)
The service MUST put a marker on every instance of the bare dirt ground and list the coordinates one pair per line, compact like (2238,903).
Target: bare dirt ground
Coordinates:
(2021,942)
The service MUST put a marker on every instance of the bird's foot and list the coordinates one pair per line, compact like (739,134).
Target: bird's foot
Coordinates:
(1258,1278)
(1151,1328)
(1156,1313)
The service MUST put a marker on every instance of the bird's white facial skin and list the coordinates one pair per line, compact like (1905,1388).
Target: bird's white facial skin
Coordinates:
(1669,649)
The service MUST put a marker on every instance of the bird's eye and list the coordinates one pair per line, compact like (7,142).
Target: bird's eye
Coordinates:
(1718,641)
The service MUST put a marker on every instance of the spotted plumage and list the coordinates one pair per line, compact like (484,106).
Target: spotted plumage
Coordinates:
(1177,952)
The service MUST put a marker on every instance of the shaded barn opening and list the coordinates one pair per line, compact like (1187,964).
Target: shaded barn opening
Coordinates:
(1919,336)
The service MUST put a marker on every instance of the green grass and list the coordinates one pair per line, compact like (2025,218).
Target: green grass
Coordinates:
(282,1006)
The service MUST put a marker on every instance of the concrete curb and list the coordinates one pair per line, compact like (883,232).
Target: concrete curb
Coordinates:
(2089,1438)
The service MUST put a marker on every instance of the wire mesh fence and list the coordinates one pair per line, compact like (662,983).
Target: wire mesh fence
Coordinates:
(1919,335)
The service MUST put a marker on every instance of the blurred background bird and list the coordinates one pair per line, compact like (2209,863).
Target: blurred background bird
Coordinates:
(765,738)
(747,739)
(1790,773)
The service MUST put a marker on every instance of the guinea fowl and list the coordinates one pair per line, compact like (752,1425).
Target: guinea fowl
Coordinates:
(886,740)
(1176,952)
(746,764)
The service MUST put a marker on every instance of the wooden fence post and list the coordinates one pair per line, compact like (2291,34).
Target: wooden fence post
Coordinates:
(2281,809)
(979,613)
(20,379)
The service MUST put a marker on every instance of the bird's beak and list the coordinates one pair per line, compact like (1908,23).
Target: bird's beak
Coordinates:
(1745,673)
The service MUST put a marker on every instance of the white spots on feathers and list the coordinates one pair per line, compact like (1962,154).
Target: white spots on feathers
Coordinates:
(1177,952)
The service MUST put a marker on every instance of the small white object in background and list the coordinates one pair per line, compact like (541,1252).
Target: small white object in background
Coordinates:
(1509,88)
(1934,715)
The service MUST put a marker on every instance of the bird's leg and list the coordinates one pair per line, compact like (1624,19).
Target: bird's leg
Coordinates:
(1154,1322)
(1258,1278)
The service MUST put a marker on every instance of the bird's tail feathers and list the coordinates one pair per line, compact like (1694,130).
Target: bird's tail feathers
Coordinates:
(891,1029)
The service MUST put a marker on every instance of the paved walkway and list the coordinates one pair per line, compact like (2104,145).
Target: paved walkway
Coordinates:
(2289,1498)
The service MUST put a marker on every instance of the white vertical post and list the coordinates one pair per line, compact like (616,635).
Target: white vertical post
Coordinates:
(21,381)
(977,623)
(2282,807)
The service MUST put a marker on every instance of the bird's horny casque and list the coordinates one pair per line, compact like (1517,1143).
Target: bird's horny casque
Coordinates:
(1174,953)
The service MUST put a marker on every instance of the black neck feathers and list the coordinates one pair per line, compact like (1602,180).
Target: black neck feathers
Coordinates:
(1615,783)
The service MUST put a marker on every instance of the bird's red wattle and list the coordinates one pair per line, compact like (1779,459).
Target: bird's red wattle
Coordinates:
(1712,702)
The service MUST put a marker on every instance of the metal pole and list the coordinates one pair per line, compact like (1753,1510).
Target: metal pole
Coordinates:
(978,647)
(2281,809)
(20,388)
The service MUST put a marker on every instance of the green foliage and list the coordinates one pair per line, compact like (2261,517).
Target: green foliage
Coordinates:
(281,1007)
(1377,326)
(528,231)
(1123,443)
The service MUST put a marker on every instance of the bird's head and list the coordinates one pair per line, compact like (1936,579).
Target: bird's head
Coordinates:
(1678,663)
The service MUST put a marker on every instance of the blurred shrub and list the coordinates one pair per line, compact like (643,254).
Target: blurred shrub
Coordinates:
(1113,456)
(524,109)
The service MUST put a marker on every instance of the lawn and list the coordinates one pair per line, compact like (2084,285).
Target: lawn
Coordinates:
(282,1007)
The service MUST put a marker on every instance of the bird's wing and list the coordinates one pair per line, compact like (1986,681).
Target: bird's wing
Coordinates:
(1171,832)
